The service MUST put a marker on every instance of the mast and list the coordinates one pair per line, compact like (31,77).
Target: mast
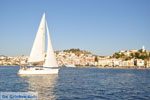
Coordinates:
(50,58)
(38,49)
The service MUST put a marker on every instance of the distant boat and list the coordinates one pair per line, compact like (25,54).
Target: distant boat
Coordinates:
(70,65)
(38,55)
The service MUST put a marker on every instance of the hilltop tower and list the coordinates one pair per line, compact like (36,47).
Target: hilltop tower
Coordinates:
(143,48)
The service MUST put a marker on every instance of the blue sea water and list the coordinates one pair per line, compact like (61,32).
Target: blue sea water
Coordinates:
(80,84)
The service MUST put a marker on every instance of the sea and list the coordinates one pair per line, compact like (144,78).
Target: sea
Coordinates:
(79,84)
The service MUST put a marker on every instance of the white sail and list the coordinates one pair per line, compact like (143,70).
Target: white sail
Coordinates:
(38,49)
(50,58)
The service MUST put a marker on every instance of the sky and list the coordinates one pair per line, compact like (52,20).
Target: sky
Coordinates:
(99,26)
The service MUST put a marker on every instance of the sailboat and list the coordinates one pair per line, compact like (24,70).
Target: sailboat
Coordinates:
(38,55)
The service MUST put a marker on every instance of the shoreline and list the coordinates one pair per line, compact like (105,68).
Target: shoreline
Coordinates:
(123,67)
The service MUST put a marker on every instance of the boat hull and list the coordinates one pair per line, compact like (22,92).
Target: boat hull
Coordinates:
(35,71)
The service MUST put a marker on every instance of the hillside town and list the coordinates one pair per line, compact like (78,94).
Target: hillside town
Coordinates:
(122,59)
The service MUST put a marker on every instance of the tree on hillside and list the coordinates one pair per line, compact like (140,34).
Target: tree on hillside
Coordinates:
(116,55)
(140,50)
(122,54)
(132,55)
(137,55)
(143,57)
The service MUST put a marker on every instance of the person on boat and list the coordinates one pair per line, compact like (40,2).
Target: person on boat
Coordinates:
(25,68)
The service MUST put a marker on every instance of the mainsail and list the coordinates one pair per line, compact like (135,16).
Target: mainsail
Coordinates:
(50,58)
(38,49)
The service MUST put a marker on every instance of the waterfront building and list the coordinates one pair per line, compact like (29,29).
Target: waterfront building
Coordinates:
(1,62)
(140,62)
(148,64)
(2,57)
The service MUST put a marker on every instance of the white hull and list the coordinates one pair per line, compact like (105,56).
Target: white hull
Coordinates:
(37,71)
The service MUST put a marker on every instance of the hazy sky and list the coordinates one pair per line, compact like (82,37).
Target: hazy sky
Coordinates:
(99,26)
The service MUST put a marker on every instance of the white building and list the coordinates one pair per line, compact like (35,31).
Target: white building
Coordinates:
(143,49)
(140,62)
